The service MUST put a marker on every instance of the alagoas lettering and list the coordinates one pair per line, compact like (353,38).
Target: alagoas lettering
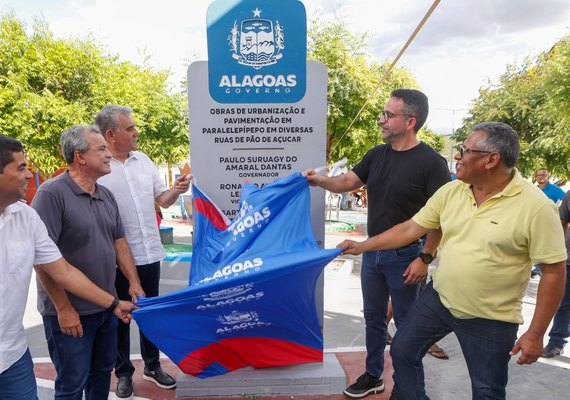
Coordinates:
(258,81)
(231,301)
(250,221)
(237,268)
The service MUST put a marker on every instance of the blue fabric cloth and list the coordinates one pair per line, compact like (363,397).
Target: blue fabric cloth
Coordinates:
(18,382)
(553,192)
(381,277)
(560,330)
(428,321)
(83,363)
(252,295)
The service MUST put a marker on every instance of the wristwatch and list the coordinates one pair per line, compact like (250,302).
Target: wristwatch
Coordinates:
(426,258)
(113,305)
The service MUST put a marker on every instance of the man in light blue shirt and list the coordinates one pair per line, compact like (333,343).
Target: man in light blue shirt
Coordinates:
(551,191)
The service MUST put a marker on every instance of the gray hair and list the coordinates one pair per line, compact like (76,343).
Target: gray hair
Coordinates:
(75,139)
(108,117)
(502,139)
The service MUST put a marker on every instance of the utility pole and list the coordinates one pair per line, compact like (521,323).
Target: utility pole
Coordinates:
(451,143)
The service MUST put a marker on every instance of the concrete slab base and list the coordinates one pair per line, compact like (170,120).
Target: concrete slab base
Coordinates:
(323,378)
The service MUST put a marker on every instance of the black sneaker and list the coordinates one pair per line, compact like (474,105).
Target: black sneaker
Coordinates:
(395,393)
(124,388)
(366,384)
(551,351)
(160,378)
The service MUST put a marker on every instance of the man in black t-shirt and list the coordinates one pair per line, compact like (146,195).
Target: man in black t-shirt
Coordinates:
(400,177)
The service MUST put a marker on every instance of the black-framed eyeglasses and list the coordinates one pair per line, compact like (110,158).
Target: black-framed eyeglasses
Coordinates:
(463,149)
(386,115)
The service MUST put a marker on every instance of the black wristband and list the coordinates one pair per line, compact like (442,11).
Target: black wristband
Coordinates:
(113,305)
(426,258)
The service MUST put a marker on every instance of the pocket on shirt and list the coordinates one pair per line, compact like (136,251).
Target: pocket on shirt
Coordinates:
(20,255)
(147,186)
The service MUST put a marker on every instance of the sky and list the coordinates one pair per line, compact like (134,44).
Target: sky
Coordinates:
(463,46)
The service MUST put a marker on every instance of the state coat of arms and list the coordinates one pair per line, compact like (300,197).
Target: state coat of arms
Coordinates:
(258,42)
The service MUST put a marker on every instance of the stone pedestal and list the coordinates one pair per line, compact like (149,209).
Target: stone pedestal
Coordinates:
(304,379)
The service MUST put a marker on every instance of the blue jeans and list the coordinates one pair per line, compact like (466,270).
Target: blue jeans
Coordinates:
(382,278)
(18,381)
(485,345)
(149,276)
(561,326)
(83,363)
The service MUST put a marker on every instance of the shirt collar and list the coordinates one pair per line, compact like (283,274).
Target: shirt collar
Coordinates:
(513,188)
(132,154)
(77,190)
(8,211)
(13,208)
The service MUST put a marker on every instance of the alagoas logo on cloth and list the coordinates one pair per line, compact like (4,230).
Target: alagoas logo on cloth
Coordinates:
(257,51)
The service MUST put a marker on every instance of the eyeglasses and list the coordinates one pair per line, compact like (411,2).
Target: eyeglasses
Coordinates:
(463,150)
(386,115)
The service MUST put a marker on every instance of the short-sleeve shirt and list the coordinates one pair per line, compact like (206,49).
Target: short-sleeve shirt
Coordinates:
(553,192)
(398,183)
(136,184)
(84,228)
(24,242)
(486,252)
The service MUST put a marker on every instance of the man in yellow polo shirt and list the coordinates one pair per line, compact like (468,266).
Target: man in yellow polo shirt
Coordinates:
(495,226)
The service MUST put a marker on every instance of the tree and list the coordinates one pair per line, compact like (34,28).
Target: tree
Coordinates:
(352,78)
(432,139)
(533,98)
(49,84)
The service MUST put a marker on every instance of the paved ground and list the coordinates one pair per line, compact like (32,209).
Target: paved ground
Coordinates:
(344,336)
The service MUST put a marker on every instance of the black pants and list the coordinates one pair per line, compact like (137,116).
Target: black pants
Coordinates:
(149,276)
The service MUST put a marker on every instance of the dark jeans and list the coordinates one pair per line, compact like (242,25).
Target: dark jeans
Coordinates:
(83,363)
(561,325)
(485,345)
(382,278)
(149,276)
(18,381)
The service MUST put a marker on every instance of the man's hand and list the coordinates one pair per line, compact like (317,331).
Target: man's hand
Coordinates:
(182,184)
(312,176)
(123,311)
(351,247)
(135,290)
(530,346)
(69,322)
(415,272)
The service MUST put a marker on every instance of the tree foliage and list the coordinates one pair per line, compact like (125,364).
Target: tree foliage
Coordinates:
(49,84)
(533,98)
(352,78)
(431,138)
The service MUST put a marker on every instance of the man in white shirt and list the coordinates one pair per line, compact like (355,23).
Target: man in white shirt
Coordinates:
(24,242)
(136,185)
